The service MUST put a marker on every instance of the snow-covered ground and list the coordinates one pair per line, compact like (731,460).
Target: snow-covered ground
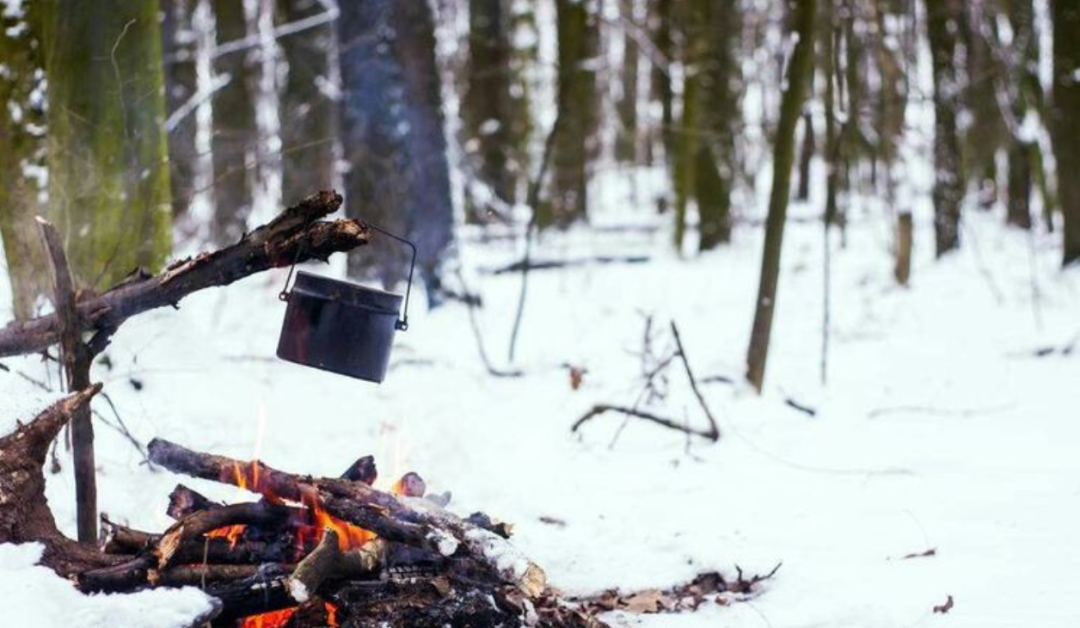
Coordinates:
(938,427)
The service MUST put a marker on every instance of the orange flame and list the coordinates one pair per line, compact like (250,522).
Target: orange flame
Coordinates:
(349,536)
(273,619)
(278,619)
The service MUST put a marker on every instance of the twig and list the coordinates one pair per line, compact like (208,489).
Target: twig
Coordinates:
(601,408)
(807,410)
(533,200)
(929,410)
(714,428)
(472,305)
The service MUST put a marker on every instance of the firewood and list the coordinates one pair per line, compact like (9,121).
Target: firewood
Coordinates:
(295,235)
(200,522)
(213,550)
(363,470)
(413,521)
(263,592)
(183,501)
(328,562)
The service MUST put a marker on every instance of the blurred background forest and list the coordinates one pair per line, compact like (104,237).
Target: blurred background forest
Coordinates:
(156,127)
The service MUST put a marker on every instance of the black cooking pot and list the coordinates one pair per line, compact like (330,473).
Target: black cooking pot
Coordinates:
(341,326)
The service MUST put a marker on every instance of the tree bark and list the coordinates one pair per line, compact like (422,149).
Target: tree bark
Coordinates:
(576,103)
(309,121)
(392,132)
(108,165)
(942,21)
(797,86)
(178,49)
(1065,122)
(23,148)
(235,132)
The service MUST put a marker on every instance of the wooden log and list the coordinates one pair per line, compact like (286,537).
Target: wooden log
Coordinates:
(183,501)
(284,546)
(24,513)
(328,562)
(195,525)
(261,593)
(414,521)
(296,234)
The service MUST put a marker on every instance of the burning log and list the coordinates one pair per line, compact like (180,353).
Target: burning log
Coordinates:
(412,521)
(328,561)
(198,523)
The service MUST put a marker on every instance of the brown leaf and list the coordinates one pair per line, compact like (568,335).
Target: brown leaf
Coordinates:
(577,374)
(647,601)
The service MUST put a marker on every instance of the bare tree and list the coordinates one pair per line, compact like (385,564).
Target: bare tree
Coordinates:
(796,86)
(942,22)
(1064,120)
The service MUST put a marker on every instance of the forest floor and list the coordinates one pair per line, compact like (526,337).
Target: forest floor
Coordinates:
(948,422)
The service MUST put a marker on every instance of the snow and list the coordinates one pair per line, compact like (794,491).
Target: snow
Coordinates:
(938,427)
(35,596)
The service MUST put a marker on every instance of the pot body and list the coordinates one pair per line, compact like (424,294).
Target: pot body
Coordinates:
(339,326)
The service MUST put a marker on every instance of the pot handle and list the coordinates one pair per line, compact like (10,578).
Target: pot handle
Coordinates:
(401,324)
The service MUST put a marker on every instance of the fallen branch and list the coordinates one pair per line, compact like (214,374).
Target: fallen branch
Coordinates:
(598,260)
(24,513)
(296,234)
(601,408)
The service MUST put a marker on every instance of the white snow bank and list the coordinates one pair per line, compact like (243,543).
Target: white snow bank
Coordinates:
(35,597)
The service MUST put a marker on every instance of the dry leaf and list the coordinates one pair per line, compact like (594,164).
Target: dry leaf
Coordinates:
(647,601)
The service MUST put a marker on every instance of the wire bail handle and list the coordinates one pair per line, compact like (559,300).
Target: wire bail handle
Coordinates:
(401,324)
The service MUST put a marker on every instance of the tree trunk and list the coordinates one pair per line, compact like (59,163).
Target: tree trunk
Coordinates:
(108,167)
(661,23)
(485,107)
(23,148)
(1064,121)
(832,137)
(797,85)
(235,133)
(392,132)
(987,132)
(942,20)
(577,94)
(308,109)
(717,155)
(178,46)
(626,138)
(904,239)
(806,155)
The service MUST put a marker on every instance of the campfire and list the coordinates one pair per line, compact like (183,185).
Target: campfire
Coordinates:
(329,552)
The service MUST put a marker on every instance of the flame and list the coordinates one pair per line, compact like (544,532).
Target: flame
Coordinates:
(277,619)
(233,533)
(349,536)
(273,619)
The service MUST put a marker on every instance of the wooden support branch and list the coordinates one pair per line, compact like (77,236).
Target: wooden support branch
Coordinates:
(297,234)
(328,562)
(413,521)
(76,357)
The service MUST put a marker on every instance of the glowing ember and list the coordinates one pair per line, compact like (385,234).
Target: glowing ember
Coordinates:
(273,619)
(233,533)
